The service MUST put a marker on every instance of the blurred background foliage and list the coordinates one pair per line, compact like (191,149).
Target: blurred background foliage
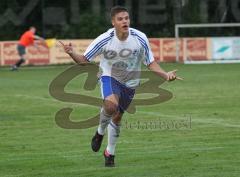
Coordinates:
(88,18)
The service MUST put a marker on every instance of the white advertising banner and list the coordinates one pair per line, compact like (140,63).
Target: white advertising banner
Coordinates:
(236,48)
(226,48)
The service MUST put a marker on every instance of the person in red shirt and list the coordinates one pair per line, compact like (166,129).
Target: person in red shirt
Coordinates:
(26,40)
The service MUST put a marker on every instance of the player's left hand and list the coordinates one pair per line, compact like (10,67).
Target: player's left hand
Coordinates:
(172,75)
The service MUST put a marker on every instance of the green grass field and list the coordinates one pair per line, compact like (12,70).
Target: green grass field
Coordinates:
(205,141)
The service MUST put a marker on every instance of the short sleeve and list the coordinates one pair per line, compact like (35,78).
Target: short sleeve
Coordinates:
(97,46)
(148,55)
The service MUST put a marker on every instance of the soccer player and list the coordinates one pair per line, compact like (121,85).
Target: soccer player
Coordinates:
(26,39)
(122,50)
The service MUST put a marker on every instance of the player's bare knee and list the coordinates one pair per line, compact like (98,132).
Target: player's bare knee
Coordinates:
(110,109)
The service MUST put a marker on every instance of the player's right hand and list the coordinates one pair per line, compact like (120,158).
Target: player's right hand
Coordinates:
(67,48)
(172,75)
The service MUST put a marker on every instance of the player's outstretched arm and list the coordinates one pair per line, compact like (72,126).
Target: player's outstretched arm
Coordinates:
(80,59)
(169,76)
(38,38)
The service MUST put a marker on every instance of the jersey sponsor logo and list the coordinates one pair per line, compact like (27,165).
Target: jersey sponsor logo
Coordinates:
(110,54)
(124,53)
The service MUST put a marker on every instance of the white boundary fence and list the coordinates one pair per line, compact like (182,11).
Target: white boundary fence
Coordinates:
(235,40)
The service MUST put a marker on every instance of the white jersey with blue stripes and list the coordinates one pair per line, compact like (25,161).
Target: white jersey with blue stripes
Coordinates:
(121,59)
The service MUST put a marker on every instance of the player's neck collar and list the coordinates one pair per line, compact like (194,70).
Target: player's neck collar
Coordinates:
(122,37)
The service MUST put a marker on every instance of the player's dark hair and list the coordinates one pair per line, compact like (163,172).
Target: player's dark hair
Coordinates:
(116,9)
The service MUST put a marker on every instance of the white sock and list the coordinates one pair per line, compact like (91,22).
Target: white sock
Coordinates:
(103,122)
(113,134)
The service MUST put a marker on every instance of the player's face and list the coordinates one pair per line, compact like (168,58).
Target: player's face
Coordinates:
(33,30)
(121,22)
